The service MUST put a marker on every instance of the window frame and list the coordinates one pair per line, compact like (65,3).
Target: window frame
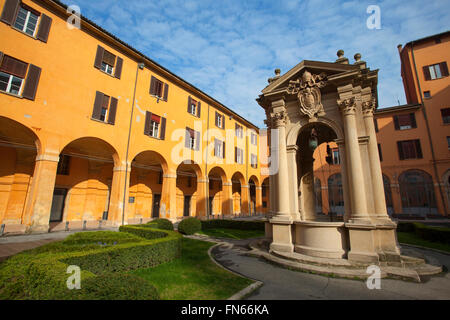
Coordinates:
(445,117)
(154,124)
(219,120)
(27,19)
(10,84)
(417,149)
(336,160)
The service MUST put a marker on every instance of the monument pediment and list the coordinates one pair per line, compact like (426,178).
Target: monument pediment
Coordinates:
(280,83)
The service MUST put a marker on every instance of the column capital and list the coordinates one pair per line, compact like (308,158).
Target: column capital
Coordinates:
(202,180)
(278,119)
(347,106)
(47,157)
(227,184)
(368,107)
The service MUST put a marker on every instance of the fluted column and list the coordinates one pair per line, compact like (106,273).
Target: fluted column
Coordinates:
(375,166)
(359,205)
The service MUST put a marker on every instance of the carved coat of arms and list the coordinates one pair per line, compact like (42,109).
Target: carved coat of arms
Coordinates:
(307,90)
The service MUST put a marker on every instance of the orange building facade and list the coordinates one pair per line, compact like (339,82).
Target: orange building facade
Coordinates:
(413,139)
(94,133)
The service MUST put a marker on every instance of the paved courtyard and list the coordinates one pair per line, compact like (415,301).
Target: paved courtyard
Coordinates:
(283,284)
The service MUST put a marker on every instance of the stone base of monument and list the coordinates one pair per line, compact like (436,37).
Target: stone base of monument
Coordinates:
(406,268)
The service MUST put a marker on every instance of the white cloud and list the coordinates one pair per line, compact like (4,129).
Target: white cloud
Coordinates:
(229,48)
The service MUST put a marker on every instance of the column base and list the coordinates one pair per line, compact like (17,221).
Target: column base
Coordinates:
(282,239)
(281,247)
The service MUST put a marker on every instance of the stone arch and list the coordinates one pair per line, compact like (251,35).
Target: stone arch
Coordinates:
(294,132)
(417,192)
(84,144)
(188,198)
(147,181)
(19,146)
(83,184)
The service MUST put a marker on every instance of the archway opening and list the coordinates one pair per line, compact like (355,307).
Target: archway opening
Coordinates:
(187,195)
(239,200)
(19,147)
(388,195)
(83,184)
(310,138)
(217,199)
(146,186)
(417,193)
(253,201)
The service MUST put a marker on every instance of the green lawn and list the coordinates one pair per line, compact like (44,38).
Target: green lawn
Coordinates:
(193,276)
(232,233)
(411,238)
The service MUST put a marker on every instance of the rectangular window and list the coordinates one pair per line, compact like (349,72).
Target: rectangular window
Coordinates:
(336,159)
(427,94)
(254,139)
(409,149)
(239,155)
(220,120)
(405,121)
(379,152)
(12,74)
(193,107)
(159,89)
(192,139)
(239,131)
(105,108)
(219,148)
(254,161)
(445,113)
(435,71)
(155,126)
(448,142)
(26,20)
(63,165)
(108,62)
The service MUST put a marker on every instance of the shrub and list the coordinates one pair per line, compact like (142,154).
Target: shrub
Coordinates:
(233,224)
(117,286)
(189,226)
(41,273)
(435,234)
(161,223)
(104,237)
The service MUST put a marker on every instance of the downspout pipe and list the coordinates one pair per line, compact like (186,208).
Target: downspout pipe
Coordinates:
(139,66)
(433,156)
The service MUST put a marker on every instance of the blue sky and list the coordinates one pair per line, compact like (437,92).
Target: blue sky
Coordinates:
(228,48)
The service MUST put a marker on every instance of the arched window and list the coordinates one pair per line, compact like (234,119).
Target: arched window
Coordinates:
(417,192)
(388,194)
(336,194)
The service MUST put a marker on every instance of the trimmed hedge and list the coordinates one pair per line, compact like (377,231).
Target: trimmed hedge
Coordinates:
(233,224)
(436,234)
(161,223)
(189,226)
(41,273)
(118,286)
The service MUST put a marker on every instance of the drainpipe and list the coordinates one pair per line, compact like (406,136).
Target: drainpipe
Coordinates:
(206,169)
(433,156)
(139,66)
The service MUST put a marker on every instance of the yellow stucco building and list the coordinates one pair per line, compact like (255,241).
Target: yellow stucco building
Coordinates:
(93,132)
